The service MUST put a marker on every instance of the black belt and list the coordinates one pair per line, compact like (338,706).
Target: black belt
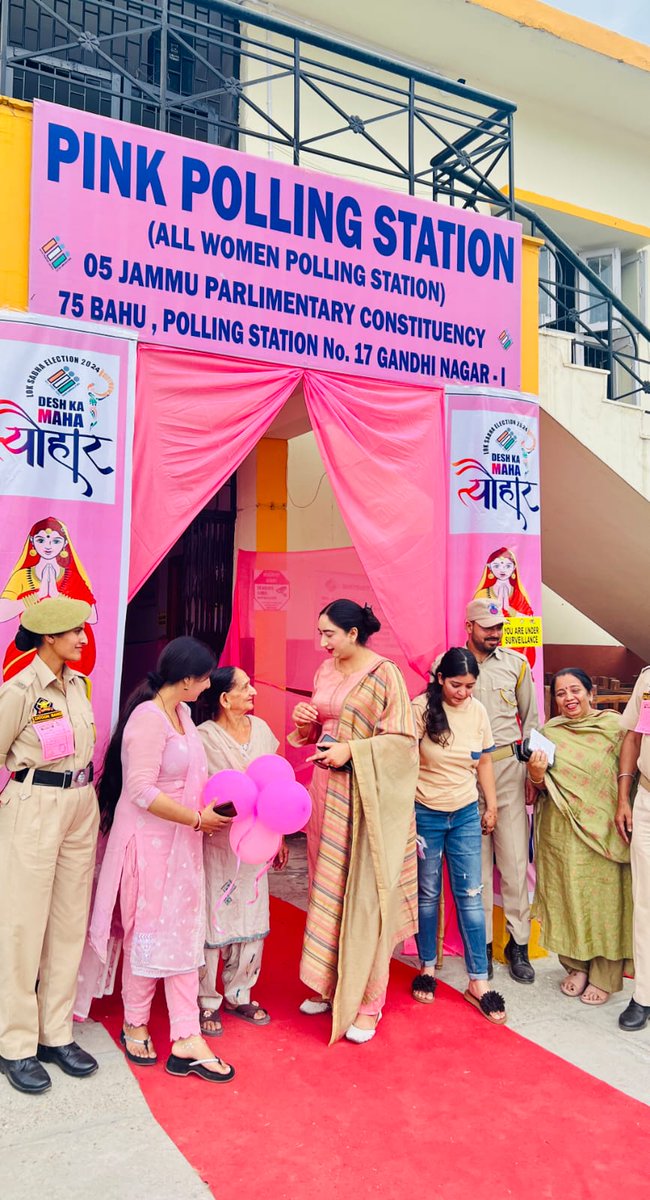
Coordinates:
(59,779)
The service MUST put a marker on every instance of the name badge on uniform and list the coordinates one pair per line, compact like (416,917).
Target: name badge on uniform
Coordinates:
(53,730)
(643,723)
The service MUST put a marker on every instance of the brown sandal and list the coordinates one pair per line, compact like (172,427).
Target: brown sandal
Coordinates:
(249,1012)
(211,1015)
(491,1005)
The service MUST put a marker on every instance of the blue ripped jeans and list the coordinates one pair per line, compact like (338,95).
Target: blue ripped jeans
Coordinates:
(457,835)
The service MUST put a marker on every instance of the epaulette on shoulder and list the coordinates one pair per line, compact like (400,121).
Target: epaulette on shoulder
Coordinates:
(87,684)
(513,654)
(23,680)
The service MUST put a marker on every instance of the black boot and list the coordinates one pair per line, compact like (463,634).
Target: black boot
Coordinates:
(635,1016)
(518,962)
(489,958)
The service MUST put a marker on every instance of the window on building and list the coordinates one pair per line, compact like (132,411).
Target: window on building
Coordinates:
(606,264)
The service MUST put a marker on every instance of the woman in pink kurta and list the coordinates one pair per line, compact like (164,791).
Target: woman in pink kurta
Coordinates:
(150,798)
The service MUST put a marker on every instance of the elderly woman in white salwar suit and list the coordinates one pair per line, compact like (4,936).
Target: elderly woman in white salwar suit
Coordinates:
(236,928)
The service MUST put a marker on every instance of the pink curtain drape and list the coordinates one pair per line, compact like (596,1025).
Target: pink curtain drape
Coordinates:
(383,446)
(197,417)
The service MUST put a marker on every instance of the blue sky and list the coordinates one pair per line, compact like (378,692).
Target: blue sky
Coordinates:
(630,17)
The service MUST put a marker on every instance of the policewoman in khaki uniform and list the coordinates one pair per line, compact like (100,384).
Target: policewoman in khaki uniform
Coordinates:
(505,688)
(48,833)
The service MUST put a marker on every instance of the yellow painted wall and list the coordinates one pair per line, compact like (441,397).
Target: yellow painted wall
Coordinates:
(271,627)
(15,161)
(530,315)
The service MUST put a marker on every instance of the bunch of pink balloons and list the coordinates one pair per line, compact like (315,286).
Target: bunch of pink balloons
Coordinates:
(269,802)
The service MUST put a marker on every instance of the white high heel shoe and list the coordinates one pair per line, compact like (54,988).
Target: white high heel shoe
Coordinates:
(313,1007)
(360,1036)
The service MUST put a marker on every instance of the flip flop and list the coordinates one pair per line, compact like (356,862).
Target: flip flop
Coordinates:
(194,1066)
(246,1012)
(210,1014)
(489,1004)
(426,984)
(135,1058)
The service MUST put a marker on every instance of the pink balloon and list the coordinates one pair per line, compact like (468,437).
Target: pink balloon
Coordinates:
(231,787)
(270,768)
(285,807)
(252,841)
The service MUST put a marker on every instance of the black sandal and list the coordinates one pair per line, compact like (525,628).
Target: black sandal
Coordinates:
(424,983)
(140,1060)
(194,1066)
(489,1004)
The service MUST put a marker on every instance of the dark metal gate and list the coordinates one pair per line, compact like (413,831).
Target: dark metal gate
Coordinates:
(201,575)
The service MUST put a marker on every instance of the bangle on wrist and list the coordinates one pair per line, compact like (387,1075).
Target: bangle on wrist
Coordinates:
(626,775)
(197,824)
(533,780)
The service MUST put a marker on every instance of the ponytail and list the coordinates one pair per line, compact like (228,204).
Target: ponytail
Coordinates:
(109,787)
(457,661)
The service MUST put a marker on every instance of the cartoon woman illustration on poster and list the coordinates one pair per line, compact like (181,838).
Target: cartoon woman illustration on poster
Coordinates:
(500,582)
(48,565)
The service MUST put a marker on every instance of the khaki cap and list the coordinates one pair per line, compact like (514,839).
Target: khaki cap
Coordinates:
(56,615)
(485,612)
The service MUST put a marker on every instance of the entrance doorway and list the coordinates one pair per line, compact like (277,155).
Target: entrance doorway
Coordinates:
(189,593)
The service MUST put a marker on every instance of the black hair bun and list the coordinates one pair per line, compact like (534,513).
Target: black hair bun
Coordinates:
(26,640)
(370,621)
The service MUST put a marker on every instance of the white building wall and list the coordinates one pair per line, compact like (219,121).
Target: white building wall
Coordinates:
(619,434)
(313,518)
(563,625)
(578,132)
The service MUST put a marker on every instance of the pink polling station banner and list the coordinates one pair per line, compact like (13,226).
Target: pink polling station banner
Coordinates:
(199,247)
(66,430)
(494,546)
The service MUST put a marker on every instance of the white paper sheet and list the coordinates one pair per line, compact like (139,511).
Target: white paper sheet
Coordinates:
(537,741)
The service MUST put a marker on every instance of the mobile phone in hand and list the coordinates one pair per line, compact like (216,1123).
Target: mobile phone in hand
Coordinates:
(225,810)
(325,741)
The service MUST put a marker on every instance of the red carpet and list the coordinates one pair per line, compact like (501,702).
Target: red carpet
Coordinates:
(440,1104)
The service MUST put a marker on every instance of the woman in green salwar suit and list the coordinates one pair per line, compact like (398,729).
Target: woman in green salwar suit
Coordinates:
(583,896)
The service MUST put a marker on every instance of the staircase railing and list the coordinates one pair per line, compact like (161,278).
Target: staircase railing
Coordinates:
(617,341)
(605,332)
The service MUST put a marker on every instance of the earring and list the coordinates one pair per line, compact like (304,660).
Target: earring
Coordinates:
(32,553)
(186,687)
(63,554)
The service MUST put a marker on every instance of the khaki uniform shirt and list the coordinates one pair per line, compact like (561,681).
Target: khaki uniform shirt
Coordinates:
(505,688)
(34,691)
(630,718)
